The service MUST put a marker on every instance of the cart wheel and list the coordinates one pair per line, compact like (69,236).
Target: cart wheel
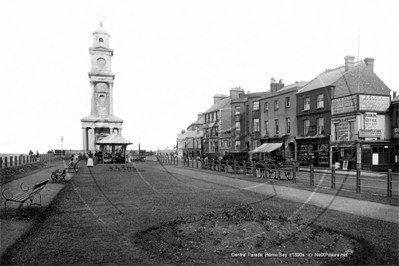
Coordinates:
(54,177)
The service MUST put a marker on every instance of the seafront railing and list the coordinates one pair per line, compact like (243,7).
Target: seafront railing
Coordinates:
(9,161)
(378,183)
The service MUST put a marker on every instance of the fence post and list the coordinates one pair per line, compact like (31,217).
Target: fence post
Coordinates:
(227,166)
(10,160)
(358,181)
(311,175)
(5,162)
(293,172)
(253,169)
(220,166)
(1,162)
(245,168)
(192,162)
(389,183)
(234,167)
(333,177)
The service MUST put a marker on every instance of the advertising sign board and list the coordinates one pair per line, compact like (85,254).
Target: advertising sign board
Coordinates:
(343,130)
(374,103)
(370,133)
(370,120)
(344,105)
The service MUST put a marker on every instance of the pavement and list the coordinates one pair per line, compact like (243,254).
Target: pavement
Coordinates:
(12,229)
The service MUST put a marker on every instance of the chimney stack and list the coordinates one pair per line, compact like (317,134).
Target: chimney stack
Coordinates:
(200,114)
(394,95)
(218,98)
(274,86)
(349,62)
(370,63)
(235,92)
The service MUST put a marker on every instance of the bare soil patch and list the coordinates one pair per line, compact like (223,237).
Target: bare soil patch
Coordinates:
(245,235)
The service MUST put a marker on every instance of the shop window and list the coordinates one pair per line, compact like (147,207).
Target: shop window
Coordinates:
(383,154)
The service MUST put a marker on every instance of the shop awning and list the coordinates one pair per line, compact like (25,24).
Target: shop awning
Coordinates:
(114,139)
(267,147)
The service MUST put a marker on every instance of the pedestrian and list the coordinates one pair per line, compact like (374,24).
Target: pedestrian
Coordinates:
(90,159)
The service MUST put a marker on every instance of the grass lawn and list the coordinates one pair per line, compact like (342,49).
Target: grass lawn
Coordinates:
(105,217)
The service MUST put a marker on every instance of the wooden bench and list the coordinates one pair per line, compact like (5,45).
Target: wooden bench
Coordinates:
(25,195)
(73,166)
(57,175)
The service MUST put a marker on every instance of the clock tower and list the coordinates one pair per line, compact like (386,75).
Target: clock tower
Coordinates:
(101,122)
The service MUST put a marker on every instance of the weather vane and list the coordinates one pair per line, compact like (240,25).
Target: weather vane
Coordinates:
(101,19)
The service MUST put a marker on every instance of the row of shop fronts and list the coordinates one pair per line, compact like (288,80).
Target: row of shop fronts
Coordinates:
(319,151)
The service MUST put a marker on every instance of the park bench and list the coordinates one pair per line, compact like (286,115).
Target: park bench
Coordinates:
(73,166)
(25,195)
(57,175)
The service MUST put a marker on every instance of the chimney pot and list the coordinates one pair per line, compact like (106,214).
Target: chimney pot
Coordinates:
(394,94)
(273,80)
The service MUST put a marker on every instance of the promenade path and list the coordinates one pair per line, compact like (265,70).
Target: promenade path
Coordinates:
(12,229)
(363,208)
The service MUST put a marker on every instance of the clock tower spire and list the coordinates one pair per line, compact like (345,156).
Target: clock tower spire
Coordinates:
(101,122)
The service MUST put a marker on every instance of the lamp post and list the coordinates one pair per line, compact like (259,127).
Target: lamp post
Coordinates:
(62,142)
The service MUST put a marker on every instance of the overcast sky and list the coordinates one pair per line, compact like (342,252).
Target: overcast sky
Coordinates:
(170,59)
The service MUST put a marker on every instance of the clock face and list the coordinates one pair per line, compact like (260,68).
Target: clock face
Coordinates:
(101,62)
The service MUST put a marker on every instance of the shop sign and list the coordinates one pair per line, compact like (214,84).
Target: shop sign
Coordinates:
(344,105)
(343,119)
(303,148)
(370,120)
(370,133)
(396,132)
(366,146)
(343,130)
(374,103)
